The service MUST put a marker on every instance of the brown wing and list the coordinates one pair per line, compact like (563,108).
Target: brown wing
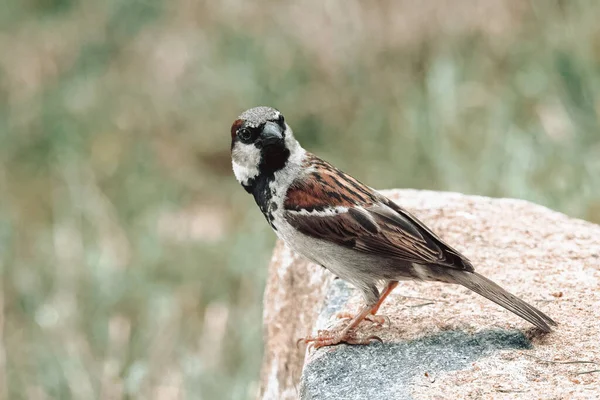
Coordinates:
(364,220)
(325,187)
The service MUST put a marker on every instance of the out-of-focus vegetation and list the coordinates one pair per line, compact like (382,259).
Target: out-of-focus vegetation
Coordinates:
(133,264)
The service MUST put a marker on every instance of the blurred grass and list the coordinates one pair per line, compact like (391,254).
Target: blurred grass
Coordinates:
(133,264)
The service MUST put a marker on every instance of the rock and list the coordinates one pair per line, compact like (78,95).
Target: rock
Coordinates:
(443,341)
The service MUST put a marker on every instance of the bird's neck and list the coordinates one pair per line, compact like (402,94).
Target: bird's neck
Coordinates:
(269,188)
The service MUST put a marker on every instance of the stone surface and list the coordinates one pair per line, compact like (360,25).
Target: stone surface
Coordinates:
(443,341)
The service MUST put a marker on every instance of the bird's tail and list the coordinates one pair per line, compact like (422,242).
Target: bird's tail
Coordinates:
(491,291)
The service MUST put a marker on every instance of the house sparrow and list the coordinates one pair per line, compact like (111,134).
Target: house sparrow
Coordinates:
(352,230)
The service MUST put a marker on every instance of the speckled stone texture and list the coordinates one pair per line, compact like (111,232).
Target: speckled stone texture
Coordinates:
(443,341)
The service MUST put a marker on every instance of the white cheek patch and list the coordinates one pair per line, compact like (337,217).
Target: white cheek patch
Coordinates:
(290,141)
(245,160)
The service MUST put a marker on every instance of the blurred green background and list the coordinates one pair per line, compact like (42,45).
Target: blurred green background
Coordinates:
(132,263)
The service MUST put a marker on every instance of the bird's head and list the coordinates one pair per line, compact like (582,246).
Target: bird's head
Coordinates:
(261,143)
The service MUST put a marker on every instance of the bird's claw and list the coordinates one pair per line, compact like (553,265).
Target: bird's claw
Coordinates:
(329,338)
(379,320)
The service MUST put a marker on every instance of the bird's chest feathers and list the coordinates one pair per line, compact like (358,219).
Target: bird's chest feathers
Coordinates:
(270,190)
(266,197)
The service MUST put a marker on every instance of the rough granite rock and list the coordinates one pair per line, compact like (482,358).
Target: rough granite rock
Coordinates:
(443,341)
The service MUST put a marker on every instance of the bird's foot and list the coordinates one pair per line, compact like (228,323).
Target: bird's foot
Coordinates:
(330,338)
(378,320)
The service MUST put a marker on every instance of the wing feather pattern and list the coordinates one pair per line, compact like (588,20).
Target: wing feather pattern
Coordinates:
(369,222)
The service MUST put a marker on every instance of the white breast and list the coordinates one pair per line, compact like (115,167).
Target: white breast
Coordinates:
(343,262)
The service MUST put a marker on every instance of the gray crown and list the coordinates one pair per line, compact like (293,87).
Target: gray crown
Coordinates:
(257,116)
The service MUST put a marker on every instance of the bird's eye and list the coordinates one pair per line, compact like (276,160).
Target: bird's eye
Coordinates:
(281,121)
(245,134)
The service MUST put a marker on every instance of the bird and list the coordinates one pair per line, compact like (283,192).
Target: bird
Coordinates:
(355,232)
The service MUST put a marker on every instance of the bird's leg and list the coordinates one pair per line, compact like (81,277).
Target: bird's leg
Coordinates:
(388,289)
(377,319)
(346,335)
(328,338)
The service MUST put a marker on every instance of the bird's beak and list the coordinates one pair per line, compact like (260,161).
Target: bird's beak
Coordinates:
(271,134)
